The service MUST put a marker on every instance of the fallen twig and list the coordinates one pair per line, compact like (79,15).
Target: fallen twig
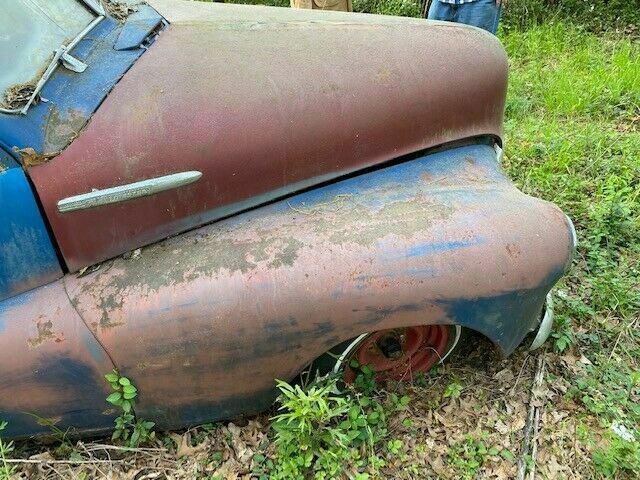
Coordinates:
(515,384)
(92,447)
(623,330)
(534,443)
(58,462)
(532,421)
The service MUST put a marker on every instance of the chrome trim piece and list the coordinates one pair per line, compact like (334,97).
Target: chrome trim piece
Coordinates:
(95,5)
(130,191)
(544,330)
(574,235)
(499,152)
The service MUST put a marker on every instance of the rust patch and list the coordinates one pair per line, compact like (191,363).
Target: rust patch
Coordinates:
(119,10)
(265,243)
(45,332)
(362,226)
(426,177)
(30,158)
(162,266)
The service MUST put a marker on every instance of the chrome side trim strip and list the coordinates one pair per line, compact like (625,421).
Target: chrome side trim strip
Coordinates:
(130,191)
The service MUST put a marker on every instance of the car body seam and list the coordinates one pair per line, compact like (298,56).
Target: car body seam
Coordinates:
(84,322)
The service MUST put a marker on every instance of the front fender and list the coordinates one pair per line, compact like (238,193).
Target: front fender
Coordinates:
(204,322)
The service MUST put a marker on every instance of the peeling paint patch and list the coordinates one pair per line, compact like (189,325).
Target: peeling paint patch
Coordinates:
(62,127)
(45,332)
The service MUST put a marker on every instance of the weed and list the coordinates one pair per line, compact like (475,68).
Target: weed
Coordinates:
(6,470)
(365,381)
(621,456)
(394,446)
(453,390)
(64,448)
(129,429)
(467,457)
(562,334)
(321,432)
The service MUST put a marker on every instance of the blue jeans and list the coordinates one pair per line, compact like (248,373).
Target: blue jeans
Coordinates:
(480,13)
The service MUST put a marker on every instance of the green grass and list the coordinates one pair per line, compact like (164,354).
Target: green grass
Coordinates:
(572,137)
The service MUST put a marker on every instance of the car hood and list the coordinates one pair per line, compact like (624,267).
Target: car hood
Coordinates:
(264,102)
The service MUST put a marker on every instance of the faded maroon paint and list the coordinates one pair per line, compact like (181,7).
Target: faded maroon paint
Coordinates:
(265,101)
(51,366)
(205,321)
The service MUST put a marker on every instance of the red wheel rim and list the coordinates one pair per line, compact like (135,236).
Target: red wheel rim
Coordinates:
(413,350)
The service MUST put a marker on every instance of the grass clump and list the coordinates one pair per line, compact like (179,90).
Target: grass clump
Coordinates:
(325,432)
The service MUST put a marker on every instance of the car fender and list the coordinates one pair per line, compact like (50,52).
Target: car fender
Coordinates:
(204,322)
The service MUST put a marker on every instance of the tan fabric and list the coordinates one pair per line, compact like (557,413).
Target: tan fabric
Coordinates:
(340,5)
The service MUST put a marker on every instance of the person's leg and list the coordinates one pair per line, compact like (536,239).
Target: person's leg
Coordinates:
(481,13)
(441,11)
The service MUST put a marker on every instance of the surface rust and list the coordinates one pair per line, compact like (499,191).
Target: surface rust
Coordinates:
(61,129)
(30,158)
(211,317)
(45,332)
(204,322)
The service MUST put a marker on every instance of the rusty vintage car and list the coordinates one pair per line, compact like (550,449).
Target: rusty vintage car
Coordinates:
(208,197)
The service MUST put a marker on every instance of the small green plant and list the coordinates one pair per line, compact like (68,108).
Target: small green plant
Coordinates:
(365,381)
(319,431)
(621,456)
(6,469)
(453,390)
(308,436)
(394,446)
(562,334)
(468,456)
(131,430)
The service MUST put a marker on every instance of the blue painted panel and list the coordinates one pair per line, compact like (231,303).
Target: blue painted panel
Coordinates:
(27,257)
(139,25)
